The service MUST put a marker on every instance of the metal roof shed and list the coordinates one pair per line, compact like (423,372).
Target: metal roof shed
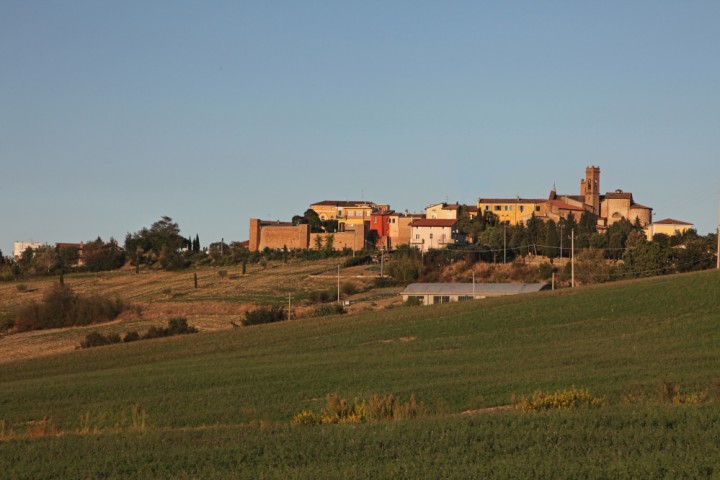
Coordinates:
(432,293)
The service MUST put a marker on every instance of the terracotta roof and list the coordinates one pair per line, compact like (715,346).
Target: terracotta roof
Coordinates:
(637,205)
(565,206)
(511,200)
(618,196)
(342,203)
(671,221)
(433,222)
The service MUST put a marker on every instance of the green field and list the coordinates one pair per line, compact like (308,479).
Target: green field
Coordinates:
(218,405)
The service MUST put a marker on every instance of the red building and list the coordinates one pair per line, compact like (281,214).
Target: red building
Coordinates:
(380,224)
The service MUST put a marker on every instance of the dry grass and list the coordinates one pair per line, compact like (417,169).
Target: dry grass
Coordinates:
(157,296)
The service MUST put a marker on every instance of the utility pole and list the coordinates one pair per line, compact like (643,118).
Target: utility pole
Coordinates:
(382,260)
(572,257)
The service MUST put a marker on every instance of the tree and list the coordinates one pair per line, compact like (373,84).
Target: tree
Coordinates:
(551,242)
(99,256)
(196,244)
(161,242)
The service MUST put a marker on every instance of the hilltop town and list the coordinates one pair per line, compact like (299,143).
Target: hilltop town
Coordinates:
(358,225)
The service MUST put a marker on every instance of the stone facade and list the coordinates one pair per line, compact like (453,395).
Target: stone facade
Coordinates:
(278,235)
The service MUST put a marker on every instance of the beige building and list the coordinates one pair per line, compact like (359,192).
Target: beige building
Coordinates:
(427,233)
(618,204)
(399,230)
(668,227)
(448,211)
(333,209)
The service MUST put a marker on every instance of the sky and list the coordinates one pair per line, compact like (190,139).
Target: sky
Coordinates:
(113,114)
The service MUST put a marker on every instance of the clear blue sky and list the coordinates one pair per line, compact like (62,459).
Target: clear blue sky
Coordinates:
(113,114)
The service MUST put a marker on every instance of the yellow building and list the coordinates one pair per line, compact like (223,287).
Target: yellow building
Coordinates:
(448,211)
(333,209)
(668,227)
(513,210)
(358,214)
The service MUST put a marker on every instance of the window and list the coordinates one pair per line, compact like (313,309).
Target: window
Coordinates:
(417,236)
(441,299)
(462,298)
(537,208)
(431,236)
(487,208)
(498,208)
(522,208)
(375,220)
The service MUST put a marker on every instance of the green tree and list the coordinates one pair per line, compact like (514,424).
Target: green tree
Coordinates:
(551,244)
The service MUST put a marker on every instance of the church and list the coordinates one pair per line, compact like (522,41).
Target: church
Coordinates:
(607,209)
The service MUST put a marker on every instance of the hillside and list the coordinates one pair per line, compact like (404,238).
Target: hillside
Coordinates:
(158,295)
(218,404)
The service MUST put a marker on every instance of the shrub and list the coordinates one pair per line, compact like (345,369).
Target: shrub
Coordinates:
(21,287)
(378,408)
(176,326)
(61,307)
(320,296)
(131,337)
(96,339)
(359,260)
(328,309)
(560,400)
(348,288)
(264,315)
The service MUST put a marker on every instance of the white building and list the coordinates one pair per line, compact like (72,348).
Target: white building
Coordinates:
(20,247)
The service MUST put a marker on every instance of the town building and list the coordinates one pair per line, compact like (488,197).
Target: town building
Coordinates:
(428,233)
(20,247)
(668,227)
(607,209)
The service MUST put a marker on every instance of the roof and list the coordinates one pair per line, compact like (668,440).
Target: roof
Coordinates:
(342,203)
(637,205)
(433,222)
(482,289)
(511,200)
(618,196)
(671,221)
(564,206)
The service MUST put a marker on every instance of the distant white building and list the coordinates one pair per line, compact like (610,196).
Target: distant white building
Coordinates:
(20,247)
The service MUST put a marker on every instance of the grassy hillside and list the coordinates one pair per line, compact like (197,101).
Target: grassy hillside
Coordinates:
(219,404)
(159,295)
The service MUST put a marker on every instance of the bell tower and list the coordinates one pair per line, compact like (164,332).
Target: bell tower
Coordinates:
(590,188)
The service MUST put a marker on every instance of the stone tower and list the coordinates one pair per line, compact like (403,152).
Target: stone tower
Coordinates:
(590,188)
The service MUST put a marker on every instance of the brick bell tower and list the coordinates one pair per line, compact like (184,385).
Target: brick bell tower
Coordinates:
(590,188)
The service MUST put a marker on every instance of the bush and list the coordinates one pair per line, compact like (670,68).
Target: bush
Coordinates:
(264,315)
(131,337)
(96,339)
(176,326)
(321,296)
(348,288)
(62,307)
(560,400)
(328,309)
(359,260)
(21,287)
